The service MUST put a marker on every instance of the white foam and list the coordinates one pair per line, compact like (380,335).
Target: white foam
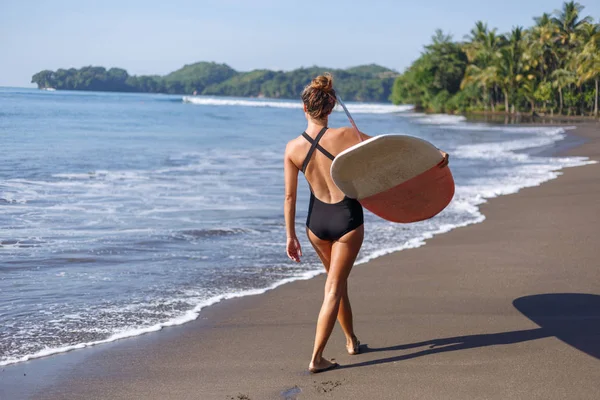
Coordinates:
(212,101)
(367,108)
(502,150)
(545,130)
(358,108)
(87,176)
(13,198)
(512,149)
(436,119)
(459,122)
(188,316)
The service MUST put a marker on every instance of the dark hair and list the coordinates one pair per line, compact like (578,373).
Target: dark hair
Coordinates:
(319,96)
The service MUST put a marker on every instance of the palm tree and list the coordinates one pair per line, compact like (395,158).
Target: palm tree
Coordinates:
(510,66)
(478,32)
(568,22)
(543,38)
(528,90)
(544,94)
(476,41)
(587,32)
(588,60)
(483,52)
(485,78)
(562,78)
(506,77)
(543,20)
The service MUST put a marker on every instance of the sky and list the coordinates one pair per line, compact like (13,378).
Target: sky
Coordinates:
(157,37)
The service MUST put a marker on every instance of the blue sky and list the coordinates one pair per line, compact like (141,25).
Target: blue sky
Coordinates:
(157,37)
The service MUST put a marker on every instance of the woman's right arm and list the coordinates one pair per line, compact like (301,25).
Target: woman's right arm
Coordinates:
(290,172)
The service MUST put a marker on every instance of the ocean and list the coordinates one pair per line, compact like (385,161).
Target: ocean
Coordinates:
(121,214)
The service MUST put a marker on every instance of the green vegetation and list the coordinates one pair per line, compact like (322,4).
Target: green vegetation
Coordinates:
(552,67)
(363,83)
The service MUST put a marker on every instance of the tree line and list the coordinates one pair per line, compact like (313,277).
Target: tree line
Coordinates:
(363,83)
(551,67)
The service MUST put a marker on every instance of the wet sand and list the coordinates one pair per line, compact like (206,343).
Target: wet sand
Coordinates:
(505,309)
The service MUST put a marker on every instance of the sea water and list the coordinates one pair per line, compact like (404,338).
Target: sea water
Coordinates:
(124,213)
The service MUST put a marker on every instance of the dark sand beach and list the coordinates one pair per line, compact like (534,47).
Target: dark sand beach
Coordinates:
(505,309)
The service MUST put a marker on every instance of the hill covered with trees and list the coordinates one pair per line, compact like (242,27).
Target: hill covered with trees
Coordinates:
(551,67)
(363,83)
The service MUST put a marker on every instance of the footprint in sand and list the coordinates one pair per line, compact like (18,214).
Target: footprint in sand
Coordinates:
(240,396)
(291,393)
(327,386)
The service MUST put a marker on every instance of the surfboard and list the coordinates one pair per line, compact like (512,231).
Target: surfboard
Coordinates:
(397,177)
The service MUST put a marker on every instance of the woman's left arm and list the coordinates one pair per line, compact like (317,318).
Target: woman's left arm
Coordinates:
(290,171)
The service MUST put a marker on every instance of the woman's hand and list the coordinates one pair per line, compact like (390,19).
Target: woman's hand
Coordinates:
(294,251)
(446,159)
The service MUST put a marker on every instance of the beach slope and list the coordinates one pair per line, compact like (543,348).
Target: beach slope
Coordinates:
(505,309)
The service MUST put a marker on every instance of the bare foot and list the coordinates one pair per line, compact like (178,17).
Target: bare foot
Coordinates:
(353,346)
(322,366)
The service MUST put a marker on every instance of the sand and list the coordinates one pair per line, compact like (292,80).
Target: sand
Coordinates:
(505,309)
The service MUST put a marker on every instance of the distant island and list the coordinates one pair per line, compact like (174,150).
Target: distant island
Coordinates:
(372,83)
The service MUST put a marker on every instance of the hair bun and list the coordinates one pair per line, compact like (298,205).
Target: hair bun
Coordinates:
(319,96)
(323,82)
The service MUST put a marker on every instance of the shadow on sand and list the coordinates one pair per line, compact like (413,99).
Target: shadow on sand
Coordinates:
(571,317)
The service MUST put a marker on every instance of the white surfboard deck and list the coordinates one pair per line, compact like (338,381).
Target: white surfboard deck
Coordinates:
(382,162)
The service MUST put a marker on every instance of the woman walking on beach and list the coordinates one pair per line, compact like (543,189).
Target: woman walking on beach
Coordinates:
(335,222)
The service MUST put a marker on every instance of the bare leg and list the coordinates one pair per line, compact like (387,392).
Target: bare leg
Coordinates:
(343,255)
(344,316)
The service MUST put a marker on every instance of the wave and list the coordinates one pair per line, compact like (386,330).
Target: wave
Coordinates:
(435,119)
(367,108)
(21,243)
(520,129)
(210,233)
(358,108)
(188,316)
(460,123)
(508,150)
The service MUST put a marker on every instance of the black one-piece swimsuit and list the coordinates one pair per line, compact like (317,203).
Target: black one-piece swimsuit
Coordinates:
(330,221)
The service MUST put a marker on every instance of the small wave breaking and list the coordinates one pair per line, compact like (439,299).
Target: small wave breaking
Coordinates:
(358,108)
(188,316)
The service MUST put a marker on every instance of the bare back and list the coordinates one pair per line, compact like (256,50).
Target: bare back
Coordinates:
(335,140)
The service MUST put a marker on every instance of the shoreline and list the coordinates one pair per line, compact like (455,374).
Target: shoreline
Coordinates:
(211,321)
(527,119)
(193,314)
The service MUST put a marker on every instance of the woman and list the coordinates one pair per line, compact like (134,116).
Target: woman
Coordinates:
(335,222)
